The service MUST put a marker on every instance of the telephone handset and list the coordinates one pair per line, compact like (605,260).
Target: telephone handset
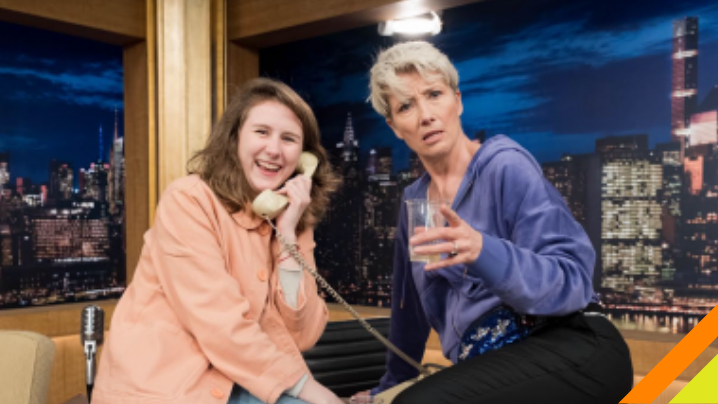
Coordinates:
(269,205)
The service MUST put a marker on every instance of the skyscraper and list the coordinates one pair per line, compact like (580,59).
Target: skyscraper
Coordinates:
(116,178)
(631,185)
(684,83)
(100,145)
(4,170)
(69,235)
(381,208)
(384,161)
(61,180)
(371,163)
(95,184)
(704,122)
(578,180)
(350,144)
(699,217)
(6,252)
(671,157)
(340,230)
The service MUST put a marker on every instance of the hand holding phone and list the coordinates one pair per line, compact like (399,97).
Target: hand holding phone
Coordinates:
(270,204)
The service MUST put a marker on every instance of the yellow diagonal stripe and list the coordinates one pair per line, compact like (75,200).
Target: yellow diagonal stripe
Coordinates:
(703,388)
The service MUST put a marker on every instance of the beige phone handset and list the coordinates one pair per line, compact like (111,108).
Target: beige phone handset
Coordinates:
(268,205)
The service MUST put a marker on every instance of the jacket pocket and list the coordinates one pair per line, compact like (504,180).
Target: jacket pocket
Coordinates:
(433,300)
(473,289)
(154,360)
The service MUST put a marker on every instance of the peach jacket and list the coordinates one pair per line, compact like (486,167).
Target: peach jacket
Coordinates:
(205,310)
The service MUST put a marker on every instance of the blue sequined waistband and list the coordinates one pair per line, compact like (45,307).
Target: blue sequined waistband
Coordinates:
(497,328)
(502,326)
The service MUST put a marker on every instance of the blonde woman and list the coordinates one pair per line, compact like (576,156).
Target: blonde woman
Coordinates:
(512,299)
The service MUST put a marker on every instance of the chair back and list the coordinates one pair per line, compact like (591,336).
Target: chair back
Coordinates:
(347,358)
(25,366)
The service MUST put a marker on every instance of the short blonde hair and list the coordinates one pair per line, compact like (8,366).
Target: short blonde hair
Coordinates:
(415,56)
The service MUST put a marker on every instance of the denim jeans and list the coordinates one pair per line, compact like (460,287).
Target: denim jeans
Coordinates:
(241,396)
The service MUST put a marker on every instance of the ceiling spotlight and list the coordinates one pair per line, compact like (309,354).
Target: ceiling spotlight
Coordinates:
(424,24)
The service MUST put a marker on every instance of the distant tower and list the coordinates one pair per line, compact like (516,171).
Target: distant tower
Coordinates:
(684,80)
(99,158)
(342,226)
(4,170)
(371,163)
(349,144)
(116,175)
(115,138)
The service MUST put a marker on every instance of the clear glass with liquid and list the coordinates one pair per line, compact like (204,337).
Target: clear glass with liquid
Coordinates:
(424,215)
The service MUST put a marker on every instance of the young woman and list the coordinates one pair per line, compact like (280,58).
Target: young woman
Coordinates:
(217,311)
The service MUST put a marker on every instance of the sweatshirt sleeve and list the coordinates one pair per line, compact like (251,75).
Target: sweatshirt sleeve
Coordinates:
(409,328)
(544,266)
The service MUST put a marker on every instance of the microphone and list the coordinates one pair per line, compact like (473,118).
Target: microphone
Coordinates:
(92,334)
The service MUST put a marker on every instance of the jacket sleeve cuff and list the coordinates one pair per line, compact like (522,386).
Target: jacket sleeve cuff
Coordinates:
(290,282)
(492,264)
(297,388)
(282,375)
(295,318)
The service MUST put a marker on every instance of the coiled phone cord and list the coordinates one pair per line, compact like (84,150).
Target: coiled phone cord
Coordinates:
(292,249)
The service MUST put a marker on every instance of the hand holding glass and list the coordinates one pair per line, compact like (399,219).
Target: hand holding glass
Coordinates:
(424,215)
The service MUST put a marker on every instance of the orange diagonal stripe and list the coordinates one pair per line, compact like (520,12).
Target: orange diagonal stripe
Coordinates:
(685,352)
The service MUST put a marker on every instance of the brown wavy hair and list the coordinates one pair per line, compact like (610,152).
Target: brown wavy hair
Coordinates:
(218,162)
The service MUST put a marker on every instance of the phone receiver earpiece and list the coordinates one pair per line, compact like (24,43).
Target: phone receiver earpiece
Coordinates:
(308,163)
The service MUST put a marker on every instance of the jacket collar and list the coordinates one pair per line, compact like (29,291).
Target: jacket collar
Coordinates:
(247,219)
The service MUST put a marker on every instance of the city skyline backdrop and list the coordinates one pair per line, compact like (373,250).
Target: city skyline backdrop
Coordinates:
(62,175)
(59,90)
(617,101)
(544,72)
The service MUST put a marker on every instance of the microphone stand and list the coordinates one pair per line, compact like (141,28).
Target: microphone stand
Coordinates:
(92,336)
(90,351)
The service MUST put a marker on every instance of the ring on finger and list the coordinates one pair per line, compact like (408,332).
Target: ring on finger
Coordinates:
(455,251)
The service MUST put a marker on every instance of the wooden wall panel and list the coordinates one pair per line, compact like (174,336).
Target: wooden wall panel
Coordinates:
(262,23)
(219,58)
(52,321)
(116,22)
(184,107)
(242,66)
(139,152)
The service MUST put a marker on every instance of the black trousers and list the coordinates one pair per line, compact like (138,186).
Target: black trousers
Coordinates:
(581,359)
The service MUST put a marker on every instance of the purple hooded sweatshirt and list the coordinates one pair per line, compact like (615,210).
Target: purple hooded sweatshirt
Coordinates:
(536,258)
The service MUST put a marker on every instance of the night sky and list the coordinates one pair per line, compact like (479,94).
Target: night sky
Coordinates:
(554,75)
(57,90)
